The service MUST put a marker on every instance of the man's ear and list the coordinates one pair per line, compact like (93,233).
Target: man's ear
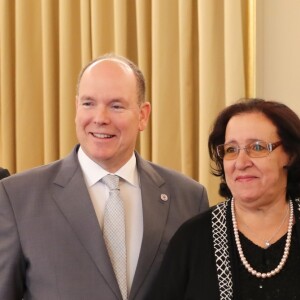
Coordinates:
(76,101)
(145,110)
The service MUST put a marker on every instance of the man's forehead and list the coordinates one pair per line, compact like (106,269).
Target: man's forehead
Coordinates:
(110,60)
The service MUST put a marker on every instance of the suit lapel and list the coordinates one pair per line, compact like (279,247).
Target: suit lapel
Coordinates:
(71,196)
(155,213)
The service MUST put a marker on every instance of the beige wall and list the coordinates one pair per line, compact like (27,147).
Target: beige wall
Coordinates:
(278,51)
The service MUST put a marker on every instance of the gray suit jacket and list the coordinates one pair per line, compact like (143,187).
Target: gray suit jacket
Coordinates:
(51,245)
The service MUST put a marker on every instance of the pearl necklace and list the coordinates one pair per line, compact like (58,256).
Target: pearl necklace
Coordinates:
(286,248)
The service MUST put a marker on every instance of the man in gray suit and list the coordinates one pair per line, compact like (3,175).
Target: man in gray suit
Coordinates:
(51,217)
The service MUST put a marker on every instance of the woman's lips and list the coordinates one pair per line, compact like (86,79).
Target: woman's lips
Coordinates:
(245,178)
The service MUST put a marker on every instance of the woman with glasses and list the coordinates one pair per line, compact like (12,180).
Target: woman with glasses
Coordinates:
(247,247)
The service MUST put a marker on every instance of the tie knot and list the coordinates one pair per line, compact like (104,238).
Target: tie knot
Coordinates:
(112,181)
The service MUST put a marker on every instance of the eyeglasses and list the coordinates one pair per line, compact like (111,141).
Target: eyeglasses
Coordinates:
(255,149)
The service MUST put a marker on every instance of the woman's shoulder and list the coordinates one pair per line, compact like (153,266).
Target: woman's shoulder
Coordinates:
(196,225)
(201,224)
(204,218)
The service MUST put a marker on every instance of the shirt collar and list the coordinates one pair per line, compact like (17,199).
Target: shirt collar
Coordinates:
(93,172)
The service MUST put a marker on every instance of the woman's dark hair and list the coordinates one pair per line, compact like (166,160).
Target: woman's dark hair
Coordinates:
(288,128)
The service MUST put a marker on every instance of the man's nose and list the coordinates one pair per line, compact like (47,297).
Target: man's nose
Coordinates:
(102,115)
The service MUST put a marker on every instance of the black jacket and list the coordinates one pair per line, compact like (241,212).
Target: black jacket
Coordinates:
(189,270)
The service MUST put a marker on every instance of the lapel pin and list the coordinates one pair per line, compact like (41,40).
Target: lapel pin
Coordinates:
(164,197)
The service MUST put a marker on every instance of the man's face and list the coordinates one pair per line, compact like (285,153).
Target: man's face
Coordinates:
(108,116)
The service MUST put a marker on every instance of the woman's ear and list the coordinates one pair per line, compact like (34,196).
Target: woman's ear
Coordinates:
(291,160)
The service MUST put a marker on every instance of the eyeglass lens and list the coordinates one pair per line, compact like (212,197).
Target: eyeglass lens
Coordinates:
(255,149)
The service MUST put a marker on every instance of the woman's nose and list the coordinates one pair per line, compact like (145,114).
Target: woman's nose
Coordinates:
(243,160)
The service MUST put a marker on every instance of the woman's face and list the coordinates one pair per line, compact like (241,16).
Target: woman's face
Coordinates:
(253,180)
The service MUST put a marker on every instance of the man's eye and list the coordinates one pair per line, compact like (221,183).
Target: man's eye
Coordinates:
(117,107)
(87,103)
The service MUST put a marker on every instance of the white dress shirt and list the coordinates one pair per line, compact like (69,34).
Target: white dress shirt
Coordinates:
(130,193)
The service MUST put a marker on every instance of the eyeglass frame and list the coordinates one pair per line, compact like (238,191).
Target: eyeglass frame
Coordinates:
(270,147)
